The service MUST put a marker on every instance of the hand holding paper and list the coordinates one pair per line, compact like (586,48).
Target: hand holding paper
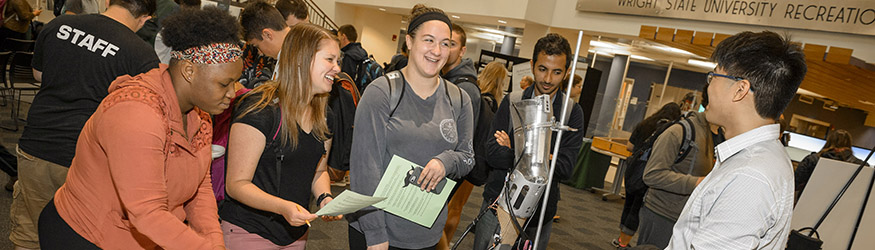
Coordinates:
(347,202)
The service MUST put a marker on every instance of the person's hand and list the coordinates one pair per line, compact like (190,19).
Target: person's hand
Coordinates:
(502,138)
(37,12)
(326,217)
(700,180)
(381,246)
(296,215)
(431,175)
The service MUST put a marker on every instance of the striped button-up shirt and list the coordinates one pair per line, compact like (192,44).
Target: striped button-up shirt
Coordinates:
(745,202)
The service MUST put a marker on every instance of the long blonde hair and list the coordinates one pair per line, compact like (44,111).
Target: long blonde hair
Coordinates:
(491,79)
(293,86)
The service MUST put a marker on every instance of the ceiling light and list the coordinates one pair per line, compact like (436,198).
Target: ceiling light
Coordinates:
(642,58)
(382,9)
(456,17)
(673,50)
(604,44)
(502,21)
(700,63)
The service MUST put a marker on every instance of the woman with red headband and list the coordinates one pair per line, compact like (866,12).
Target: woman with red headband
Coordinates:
(140,177)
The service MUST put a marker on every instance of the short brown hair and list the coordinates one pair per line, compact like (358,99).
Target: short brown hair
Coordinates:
(293,7)
(348,31)
(458,29)
(137,8)
(257,16)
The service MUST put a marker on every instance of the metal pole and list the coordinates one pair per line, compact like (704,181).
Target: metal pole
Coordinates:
(595,55)
(557,143)
(665,83)
(619,105)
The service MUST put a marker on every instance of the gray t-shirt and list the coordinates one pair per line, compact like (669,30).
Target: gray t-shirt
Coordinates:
(419,130)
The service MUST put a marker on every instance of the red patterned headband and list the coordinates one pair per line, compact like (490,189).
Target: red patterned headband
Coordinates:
(209,54)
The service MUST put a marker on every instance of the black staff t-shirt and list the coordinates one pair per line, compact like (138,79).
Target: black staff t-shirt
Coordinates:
(79,57)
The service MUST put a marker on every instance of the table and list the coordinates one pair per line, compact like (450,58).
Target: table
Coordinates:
(614,192)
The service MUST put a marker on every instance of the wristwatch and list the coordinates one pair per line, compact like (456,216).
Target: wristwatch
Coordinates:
(322,197)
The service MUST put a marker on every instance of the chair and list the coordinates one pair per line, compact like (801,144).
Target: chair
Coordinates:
(19,78)
(4,58)
(19,45)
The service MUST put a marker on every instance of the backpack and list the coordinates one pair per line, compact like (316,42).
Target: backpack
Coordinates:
(366,72)
(482,132)
(342,103)
(636,162)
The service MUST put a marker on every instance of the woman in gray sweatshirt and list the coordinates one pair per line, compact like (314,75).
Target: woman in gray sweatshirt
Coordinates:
(424,126)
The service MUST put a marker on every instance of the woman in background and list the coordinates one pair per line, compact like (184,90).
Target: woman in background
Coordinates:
(837,147)
(669,113)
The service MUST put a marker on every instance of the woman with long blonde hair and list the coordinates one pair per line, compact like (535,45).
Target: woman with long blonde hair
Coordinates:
(278,147)
(490,80)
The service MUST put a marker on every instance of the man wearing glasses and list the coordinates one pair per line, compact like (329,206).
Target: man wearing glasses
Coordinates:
(747,200)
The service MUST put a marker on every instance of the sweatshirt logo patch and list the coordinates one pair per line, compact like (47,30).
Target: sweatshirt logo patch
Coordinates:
(448,130)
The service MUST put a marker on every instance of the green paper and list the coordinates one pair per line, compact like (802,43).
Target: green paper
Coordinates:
(410,202)
(348,202)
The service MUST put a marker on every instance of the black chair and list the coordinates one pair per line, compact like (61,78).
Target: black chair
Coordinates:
(4,58)
(18,45)
(19,78)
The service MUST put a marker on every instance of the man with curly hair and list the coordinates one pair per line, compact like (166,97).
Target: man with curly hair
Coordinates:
(76,57)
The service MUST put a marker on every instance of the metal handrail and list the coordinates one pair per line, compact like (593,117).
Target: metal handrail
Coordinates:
(324,20)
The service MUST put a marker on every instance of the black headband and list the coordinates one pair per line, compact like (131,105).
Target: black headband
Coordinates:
(428,16)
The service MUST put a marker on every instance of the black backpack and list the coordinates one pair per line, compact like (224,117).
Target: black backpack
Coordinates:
(366,72)
(636,162)
(482,132)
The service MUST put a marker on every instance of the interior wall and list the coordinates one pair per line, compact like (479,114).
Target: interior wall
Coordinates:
(843,118)
(376,29)
(531,33)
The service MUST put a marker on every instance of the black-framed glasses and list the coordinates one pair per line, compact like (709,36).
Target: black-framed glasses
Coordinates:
(711,76)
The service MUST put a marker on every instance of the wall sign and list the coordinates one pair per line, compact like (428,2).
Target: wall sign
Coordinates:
(848,16)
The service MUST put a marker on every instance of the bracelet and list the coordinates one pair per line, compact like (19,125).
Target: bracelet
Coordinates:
(322,197)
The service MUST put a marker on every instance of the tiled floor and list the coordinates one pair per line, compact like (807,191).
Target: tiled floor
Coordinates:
(586,221)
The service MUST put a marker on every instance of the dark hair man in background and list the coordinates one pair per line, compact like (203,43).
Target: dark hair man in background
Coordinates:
(76,57)
(746,202)
(264,30)
(293,11)
(353,53)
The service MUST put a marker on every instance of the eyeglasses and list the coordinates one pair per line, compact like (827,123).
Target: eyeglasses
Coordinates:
(711,76)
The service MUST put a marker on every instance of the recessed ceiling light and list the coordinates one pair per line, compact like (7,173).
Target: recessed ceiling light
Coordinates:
(382,9)
(709,65)
(456,17)
(502,21)
(643,58)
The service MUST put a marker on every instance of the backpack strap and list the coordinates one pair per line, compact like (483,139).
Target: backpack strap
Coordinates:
(689,139)
(396,89)
(278,151)
(455,96)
